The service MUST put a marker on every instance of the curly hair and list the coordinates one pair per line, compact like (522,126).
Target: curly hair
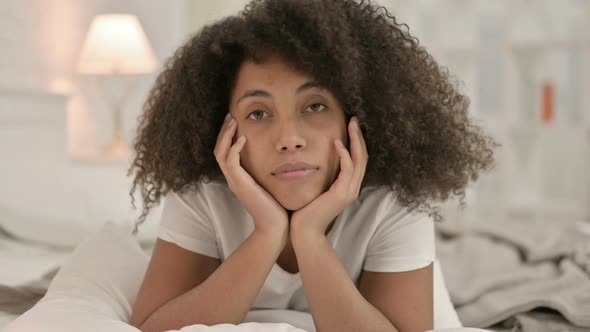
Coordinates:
(421,142)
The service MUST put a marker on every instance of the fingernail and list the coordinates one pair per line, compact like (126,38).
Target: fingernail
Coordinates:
(227,116)
(356,123)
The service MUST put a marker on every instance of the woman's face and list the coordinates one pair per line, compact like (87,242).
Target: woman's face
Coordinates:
(286,118)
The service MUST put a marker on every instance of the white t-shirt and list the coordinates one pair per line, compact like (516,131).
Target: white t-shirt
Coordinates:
(373,233)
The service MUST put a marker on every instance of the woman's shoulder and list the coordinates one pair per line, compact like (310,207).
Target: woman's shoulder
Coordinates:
(206,192)
(376,196)
(379,204)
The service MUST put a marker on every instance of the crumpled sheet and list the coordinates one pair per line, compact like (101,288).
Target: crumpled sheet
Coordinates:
(18,299)
(504,274)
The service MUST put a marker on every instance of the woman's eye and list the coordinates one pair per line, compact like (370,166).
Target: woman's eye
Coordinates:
(321,107)
(256,112)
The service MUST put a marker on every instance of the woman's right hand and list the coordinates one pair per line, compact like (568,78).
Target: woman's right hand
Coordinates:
(268,214)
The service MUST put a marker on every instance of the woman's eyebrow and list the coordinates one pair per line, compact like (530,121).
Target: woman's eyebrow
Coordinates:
(262,93)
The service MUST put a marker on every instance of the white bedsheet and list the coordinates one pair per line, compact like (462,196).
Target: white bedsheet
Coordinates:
(23,262)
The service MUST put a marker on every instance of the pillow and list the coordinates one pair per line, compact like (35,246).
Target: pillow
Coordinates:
(65,229)
(445,315)
(97,285)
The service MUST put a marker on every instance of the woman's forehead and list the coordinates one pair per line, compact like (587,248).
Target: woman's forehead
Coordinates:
(270,72)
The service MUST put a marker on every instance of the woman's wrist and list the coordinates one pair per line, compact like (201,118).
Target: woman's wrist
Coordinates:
(278,234)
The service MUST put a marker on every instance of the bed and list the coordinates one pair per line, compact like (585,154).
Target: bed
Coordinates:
(500,277)
(96,284)
(24,263)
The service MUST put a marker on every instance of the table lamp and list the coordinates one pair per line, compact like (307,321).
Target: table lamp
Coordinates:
(116,45)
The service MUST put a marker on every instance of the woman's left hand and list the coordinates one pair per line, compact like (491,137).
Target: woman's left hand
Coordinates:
(316,216)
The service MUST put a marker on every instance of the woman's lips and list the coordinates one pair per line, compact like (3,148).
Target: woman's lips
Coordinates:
(294,175)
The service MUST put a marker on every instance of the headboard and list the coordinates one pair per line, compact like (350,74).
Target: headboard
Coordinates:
(33,140)
(43,196)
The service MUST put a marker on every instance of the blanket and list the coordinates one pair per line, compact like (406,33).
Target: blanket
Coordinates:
(519,275)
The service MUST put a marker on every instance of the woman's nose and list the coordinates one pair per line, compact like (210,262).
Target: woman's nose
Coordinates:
(290,137)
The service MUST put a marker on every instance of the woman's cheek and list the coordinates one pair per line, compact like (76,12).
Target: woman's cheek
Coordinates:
(245,158)
(238,132)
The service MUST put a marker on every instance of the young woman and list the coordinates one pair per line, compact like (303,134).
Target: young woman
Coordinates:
(298,147)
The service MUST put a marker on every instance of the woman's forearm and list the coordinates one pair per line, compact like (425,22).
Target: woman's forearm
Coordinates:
(334,300)
(228,294)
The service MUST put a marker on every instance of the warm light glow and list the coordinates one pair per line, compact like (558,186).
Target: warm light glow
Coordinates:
(61,86)
(116,44)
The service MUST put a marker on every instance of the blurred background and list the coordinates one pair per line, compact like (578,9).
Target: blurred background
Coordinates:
(69,103)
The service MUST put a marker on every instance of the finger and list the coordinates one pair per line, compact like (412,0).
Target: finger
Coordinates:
(224,126)
(355,144)
(364,144)
(355,149)
(233,157)
(346,165)
(224,141)
(364,149)
(358,151)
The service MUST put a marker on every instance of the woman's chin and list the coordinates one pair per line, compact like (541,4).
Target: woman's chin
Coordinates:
(293,204)
(293,199)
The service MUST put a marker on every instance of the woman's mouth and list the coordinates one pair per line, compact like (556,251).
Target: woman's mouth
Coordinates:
(296,175)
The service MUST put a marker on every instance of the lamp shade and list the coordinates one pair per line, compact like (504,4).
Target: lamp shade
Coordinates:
(116,44)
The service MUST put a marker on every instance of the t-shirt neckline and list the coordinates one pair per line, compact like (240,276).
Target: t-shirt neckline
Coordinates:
(332,237)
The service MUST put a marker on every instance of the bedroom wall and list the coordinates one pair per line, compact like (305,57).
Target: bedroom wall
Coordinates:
(42,176)
(49,114)
(42,41)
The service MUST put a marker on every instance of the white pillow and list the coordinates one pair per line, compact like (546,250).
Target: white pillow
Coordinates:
(96,287)
(445,315)
(65,230)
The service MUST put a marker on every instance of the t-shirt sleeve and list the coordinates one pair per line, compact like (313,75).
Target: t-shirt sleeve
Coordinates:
(403,243)
(186,223)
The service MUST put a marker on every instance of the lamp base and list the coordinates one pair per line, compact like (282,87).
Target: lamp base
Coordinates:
(117,148)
